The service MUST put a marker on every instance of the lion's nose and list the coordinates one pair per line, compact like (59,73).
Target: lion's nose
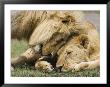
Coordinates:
(58,69)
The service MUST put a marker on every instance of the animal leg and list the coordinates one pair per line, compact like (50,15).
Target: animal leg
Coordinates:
(80,66)
(28,56)
(93,64)
(87,65)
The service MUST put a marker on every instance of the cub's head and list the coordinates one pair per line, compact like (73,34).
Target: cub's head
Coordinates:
(44,65)
(75,52)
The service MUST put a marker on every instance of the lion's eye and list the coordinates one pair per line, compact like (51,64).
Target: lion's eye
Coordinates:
(59,40)
(68,53)
(64,21)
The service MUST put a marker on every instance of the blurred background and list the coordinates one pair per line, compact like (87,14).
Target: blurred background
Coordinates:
(94,17)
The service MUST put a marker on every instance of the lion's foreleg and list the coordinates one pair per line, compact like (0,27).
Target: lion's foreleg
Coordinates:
(28,56)
(93,64)
(87,65)
(18,61)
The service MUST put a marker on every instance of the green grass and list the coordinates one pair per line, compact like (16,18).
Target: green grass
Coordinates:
(18,47)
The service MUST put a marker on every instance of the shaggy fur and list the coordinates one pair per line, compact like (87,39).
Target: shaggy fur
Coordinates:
(24,22)
(82,46)
(63,33)
(39,26)
(43,65)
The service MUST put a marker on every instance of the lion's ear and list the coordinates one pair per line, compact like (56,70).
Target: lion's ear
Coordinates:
(84,41)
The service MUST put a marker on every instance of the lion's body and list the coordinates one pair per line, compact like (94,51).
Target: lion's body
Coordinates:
(74,52)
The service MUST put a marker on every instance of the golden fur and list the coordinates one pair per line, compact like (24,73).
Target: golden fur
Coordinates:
(63,33)
(43,65)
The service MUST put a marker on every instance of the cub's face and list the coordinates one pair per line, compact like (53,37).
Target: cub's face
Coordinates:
(74,57)
(75,52)
(44,65)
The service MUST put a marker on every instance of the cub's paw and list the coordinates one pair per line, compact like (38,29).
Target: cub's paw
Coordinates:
(80,66)
(43,66)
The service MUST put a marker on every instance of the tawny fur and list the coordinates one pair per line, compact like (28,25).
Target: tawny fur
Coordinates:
(59,32)
(43,65)
(38,26)
(81,48)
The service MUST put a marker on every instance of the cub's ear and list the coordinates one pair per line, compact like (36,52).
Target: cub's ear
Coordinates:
(84,41)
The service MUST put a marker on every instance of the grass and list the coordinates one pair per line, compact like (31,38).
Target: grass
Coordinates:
(18,47)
